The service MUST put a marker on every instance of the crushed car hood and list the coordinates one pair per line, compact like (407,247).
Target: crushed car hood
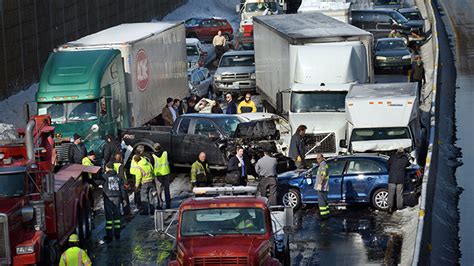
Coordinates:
(257,130)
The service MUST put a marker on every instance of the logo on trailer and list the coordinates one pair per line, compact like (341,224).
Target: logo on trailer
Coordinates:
(142,69)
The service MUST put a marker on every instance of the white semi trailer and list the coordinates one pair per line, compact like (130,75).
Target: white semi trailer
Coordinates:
(305,65)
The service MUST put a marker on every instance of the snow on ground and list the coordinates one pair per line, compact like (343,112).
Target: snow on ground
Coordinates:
(207,8)
(408,222)
(7,131)
(12,107)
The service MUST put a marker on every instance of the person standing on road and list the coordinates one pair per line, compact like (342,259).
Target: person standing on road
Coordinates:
(119,168)
(394,33)
(135,170)
(266,169)
(200,174)
(111,148)
(168,113)
(238,168)
(162,173)
(231,106)
(77,151)
(74,255)
(397,164)
(114,195)
(247,105)
(322,186)
(418,74)
(144,182)
(297,150)
(219,43)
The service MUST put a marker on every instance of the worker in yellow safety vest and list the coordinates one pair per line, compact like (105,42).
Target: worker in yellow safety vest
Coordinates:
(89,161)
(119,168)
(144,182)
(74,256)
(162,174)
(134,170)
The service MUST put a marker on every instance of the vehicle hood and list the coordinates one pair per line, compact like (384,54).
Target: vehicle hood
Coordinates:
(8,205)
(213,246)
(415,23)
(380,145)
(319,122)
(290,175)
(235,70)
(192,58)
(392,53)
(257,130)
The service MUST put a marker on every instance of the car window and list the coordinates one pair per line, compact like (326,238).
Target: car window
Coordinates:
(192,22)
(205,128)
(184,126)
(194,77)
(336,167)
(363,166)
(206,23)
(384,18)
(201,75)
(216,23)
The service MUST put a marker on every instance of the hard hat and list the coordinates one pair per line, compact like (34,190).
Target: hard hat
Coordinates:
(73,238)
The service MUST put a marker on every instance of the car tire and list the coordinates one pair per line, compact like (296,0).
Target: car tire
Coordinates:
(292,198)
(380,199)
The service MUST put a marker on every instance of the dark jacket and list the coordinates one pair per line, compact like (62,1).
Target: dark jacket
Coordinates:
(109,151)
(233,166)
(297,147)
(216,109)
(231,108)
(112,186)
(397,165)
(417,73)
(76,153)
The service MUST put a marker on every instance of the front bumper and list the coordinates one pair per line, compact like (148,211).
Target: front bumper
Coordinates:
(392,63)
(237,85)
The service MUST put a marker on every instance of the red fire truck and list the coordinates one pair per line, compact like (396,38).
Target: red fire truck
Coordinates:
(216,229)
(39,209)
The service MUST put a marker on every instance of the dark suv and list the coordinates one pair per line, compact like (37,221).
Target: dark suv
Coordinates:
(379,22)
(206,28)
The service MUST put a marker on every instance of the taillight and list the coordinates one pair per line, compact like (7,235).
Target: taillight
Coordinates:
(419,173)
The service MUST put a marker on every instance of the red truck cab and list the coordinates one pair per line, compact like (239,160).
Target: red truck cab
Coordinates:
(230,230)
(39,209)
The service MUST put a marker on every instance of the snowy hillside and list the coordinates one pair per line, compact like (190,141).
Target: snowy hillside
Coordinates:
(12,108)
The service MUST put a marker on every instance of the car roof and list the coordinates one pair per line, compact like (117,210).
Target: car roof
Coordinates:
(202,18)
(389,39)
(192,41)
(208,115)
(224,202)
(361,156)
(378,10)
(245,52)
(408,9)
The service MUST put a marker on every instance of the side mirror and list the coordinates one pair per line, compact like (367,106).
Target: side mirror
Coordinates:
(27,213)
(159,221)
(288,225)
(343,143)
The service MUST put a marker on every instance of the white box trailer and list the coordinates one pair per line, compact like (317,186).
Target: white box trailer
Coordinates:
(383,117)
(338,9)
(154,57)
(316,59)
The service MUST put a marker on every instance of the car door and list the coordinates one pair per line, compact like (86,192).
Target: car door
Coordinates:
(196,82)
(204,136)
(204,82)
(335,172)
(182,142)
(205,32)
(384,24)
(360,176)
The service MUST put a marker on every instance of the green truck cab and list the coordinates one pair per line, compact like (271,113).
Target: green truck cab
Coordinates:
(84,92)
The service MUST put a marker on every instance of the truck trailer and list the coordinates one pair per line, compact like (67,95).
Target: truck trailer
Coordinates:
(305,65)
(383,117)
(116,78)
(338,9)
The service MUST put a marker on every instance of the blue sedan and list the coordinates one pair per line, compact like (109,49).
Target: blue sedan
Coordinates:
(353,179)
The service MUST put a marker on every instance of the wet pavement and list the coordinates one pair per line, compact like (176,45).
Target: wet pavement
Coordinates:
(461,23)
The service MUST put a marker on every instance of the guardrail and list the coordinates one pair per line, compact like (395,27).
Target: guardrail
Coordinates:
(427,172)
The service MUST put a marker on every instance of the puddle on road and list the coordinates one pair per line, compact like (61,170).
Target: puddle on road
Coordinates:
(350,237)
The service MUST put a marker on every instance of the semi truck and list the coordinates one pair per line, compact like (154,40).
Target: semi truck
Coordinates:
(39,209)
(252,8)
(228,226)
(338,9)
(382,118)
(116,78)
(305,65)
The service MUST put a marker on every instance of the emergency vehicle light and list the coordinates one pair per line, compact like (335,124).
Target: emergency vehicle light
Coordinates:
(224,190)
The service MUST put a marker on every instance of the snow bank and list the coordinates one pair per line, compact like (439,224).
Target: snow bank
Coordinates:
(12,107)
(207,8)
(7,131)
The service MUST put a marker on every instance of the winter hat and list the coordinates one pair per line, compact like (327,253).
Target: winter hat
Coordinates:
(90,153)
(110,165)
(77,136)
(169,100)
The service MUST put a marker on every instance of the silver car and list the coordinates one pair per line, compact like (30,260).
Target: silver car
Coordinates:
(199,80)
(235,73)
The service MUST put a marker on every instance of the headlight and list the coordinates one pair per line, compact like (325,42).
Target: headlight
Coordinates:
(253,76)
(381,58)
(406,57)
(217,77)
(25,250)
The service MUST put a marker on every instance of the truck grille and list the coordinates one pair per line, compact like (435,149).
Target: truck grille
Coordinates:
(220,261)
(62,150)
(4,240)
(233,77)
(327,146)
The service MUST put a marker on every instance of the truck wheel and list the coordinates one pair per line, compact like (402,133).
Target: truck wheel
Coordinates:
(87,219)
(292,198)
(49,255)
(380,199)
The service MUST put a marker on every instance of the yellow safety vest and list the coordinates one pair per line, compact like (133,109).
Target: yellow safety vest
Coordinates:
(143,172)
(87,162)
(74,256)
(162,166)
(117,168)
